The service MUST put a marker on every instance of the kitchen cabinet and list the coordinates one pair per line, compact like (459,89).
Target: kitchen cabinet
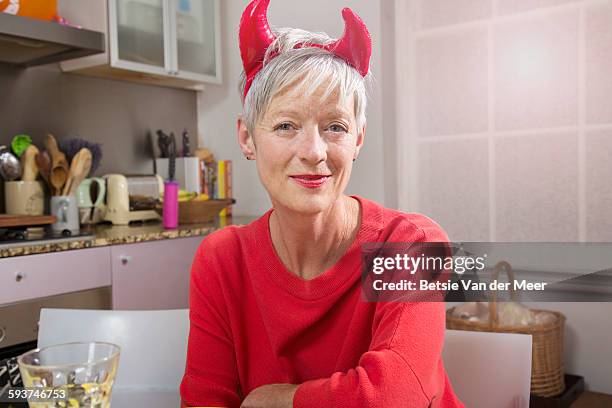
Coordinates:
(37,276)
(153,275)
(172,43)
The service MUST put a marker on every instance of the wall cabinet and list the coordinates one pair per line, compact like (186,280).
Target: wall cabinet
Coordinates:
(164,42)
(153,275)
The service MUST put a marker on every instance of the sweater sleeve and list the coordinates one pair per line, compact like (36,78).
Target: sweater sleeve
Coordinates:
(403,366)
(210,377)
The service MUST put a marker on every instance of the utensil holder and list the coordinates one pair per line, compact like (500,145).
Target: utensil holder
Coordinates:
(24,197)
(67,212)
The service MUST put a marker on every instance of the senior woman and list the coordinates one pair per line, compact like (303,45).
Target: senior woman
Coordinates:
(277,318)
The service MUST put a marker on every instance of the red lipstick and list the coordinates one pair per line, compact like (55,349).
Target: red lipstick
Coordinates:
(310,180)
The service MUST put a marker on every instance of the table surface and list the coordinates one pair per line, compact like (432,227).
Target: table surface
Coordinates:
(590,399)
(155,398)
(150,398)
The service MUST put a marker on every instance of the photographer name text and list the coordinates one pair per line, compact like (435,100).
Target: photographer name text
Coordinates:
(424,284)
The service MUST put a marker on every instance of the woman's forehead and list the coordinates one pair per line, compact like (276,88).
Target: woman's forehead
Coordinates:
(294,101)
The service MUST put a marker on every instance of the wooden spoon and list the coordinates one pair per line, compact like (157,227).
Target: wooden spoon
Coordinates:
(43,162)
(28,164)
(59,164)
(79,169)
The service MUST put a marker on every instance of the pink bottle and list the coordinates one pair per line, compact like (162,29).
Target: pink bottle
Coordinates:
(171,189)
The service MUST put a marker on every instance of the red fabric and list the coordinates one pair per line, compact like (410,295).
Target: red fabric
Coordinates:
(255,323)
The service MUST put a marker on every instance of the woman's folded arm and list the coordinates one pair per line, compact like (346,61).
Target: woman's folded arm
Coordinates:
(403,367)
(210,377)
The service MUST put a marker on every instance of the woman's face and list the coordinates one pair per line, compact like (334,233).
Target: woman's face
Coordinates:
(304,148)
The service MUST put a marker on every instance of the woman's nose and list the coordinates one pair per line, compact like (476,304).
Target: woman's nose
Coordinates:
(312,147)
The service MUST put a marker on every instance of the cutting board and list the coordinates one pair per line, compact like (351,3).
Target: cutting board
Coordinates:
(8,221)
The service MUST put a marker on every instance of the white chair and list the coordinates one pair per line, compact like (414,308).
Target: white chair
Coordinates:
(485,369)
(489,369)
(153,349)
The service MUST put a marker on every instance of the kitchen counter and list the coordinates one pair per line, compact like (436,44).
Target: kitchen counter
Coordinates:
(108,234)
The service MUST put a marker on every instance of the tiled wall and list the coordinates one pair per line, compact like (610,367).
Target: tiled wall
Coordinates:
(510,104)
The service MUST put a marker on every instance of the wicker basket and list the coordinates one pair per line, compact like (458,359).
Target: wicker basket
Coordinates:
(547,373)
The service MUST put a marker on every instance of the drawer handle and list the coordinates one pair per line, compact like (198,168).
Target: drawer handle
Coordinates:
(2,334)
(125,259)
(19,276)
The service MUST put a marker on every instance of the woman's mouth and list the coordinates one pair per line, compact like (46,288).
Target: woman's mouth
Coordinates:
(310,180)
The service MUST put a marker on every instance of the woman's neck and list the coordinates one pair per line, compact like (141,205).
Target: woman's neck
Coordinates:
(310,244)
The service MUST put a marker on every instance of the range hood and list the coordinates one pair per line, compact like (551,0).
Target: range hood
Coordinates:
(26,41)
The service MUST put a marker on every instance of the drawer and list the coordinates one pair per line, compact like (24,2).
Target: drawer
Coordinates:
(34,276)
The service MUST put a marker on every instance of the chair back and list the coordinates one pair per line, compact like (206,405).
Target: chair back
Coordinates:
(153,343)
(489,369)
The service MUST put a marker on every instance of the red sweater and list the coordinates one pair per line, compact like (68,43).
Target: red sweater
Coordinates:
(254,323)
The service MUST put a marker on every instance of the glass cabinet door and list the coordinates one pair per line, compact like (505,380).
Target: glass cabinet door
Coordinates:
(197,31)
(140,31)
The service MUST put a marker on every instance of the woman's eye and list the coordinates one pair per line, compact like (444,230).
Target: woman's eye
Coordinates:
(284,126)
(337,128)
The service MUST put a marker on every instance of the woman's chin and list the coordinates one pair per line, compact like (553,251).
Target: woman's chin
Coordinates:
(308,202)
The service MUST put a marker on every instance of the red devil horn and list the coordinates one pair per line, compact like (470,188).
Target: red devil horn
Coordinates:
(355,46)
(255,36)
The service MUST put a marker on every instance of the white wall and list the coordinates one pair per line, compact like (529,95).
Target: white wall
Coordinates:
(510,129)
(219,106)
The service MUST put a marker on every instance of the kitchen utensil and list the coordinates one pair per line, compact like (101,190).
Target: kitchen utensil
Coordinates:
(10,168)
(84,192)
(170,212)
(91,205)
(24,197)
(185,140)
(172,158)
(79,169)
(20,143)
(43,163)
(10,221)
(163,142)
(84,371)
(59,164)
(28,163)
(67,213)
(71,147)
(151,148)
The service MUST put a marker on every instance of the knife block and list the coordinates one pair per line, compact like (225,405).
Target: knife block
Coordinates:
(187,172)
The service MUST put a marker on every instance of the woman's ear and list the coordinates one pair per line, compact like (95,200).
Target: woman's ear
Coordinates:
(246,141)
(359,142)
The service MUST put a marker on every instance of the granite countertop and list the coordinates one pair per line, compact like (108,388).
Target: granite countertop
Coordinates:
(108,234)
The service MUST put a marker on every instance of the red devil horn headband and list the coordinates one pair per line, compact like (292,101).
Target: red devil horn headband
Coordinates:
(355,45)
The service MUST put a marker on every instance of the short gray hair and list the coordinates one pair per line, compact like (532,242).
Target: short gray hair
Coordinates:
(313,64)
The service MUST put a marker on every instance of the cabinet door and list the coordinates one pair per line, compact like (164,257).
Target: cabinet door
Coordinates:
(37,276)
(153,275)
(195,37)
(140,35)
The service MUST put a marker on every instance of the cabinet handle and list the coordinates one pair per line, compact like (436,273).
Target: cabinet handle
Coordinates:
(19,276)
(125,259)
